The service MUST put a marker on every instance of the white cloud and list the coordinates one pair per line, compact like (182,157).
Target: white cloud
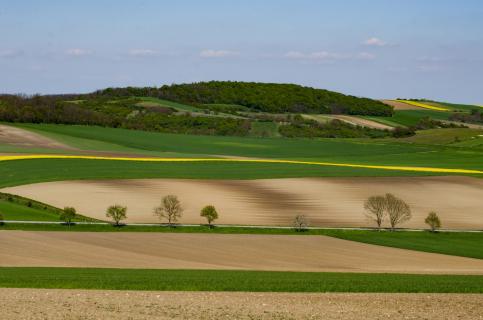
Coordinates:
(375,42)
(78,52)
(218,53)
(143,52)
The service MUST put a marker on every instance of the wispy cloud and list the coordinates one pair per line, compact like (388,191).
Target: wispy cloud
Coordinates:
(375,42)
(209,53)
(143,52)
(78,52)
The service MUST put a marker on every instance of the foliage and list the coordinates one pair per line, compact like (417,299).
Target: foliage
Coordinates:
(433,221)
(475,116)
(169,209)
(117,213)
(67,215)
(209,212)
(397,210)
(375,209)
(300,223)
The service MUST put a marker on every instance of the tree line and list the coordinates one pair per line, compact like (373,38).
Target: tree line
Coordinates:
(120,113)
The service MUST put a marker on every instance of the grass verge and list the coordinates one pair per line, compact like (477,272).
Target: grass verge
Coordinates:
(224,280)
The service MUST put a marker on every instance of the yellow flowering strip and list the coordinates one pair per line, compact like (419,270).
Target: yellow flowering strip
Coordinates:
(333,164)
(423,105)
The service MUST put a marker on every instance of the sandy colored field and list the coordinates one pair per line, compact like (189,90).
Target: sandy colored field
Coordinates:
(219,251)
(362,122)
(83,304)
(331,202)
(401,105)
(25,138)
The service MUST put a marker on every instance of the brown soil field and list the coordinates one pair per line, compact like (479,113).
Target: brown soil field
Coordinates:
(219,251)
(24,138)
(327,202)
(362,122)
(400,105)
(36,304)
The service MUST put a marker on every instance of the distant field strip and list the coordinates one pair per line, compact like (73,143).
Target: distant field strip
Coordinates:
(423,105)
(333,164)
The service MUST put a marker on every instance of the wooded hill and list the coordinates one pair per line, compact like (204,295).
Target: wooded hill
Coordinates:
(265,97)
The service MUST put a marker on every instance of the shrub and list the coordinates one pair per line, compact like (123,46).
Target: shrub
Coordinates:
(209,212)
(433,221)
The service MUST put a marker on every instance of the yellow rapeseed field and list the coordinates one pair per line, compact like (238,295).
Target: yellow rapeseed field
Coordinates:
(315,163)
(423,105)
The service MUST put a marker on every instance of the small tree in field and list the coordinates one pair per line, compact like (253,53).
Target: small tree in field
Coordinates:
(169,209)
(1,219)
(376,209)
(68,215)
(433,221)
(398,211)
(117,213)
(210,213)
(300,223)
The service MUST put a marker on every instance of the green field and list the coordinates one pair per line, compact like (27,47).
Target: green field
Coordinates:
(358,151)
(222,280)
(16,208)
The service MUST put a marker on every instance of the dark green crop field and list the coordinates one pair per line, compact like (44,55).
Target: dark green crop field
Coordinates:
(222,280)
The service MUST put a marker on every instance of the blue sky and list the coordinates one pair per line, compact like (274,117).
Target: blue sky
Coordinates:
(375,48)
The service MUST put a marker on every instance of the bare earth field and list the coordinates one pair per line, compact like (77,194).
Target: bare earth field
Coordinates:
(25,138)
(329,202)
(219,251)
(400,105)
(82,304)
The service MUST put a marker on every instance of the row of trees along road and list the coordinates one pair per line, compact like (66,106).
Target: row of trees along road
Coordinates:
(378,209)
(170,209)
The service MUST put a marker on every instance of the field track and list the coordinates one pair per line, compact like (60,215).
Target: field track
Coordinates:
(104,304)
(295,162)
(223,252)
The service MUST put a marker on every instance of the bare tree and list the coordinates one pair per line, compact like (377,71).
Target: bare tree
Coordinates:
(433,221)
(210,213)
(398,211)
(117,213)
(300,223)
(68,215)
(376,209)
(169,209)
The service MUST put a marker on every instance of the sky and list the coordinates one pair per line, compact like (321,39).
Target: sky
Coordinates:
(374,48)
